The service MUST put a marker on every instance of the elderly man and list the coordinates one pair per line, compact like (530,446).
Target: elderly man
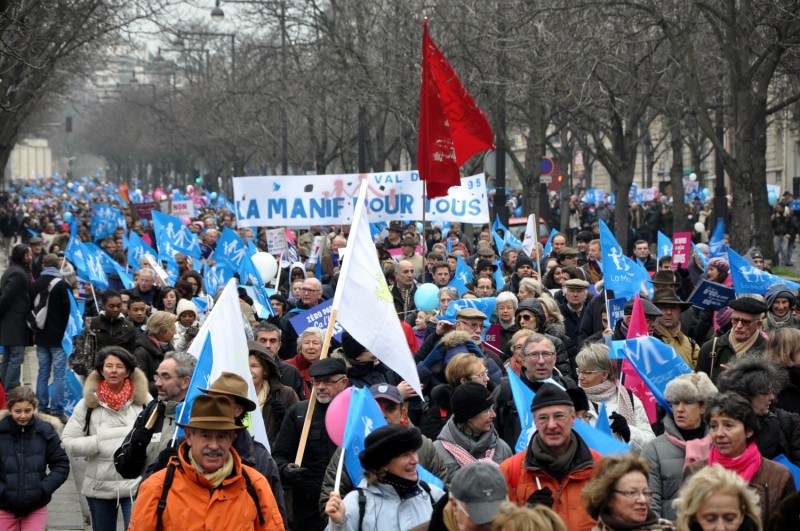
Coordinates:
(556,465)
(667,327)
(309,349)
(745,336)
(329,379)
(206,486)
(780,301)
(269,336)
(538,368)
(145,286)
(310,296)
(141,450)
(409,246)
(576,292)
(403,291)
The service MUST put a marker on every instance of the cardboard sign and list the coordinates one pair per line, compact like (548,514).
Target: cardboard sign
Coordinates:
(144,210)
(709,294)
(681,249)
(276,242)
(183,208)
(317,316)
(616,311)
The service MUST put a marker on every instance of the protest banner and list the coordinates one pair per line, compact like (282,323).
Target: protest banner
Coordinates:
(317,316)
(182,208)
(493,336)
(303,200)
(711,295)
(681,249)
(276,242)
(616,311)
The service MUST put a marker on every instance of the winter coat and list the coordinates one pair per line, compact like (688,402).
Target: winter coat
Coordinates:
(184,335)
(786,515)
(58,308)
(779,433)
(725,354)
(428,459)
(687,347)
(278,392)
(255,455)
(118,332)
(366,374)
(15,304)
(477,449)
(641,432)
(789,397)
(773,483)
(107,430)
(194,505)
(302,365)
(148,357)
(408,315)
(132,461)
(28,451)
(666,469)
(523,470)
(437,411)
(385,510)
(432,368)
(661,525)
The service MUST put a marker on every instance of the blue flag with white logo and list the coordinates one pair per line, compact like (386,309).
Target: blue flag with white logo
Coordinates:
(498,241)
(74,325)
(201,378)
(483,304)
(747,278)
(93,267)
(620,273)
(664,245)
(499,281)
(172,236)
(216,277)
(656,363)
(598,441)
(717,243)
(137,248)
(462,276)
(105,220)
(523,398)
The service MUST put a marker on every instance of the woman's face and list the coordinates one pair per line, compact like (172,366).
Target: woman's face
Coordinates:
(170,300)
(526,320)
(688,415)
(256,371)
(166,337)
(478,374)
(516,349)
(720,512)
(194,284)
(404,465)
(713,274)
(444,301)
(113,307)
(482,422)
(630,500)
(505,311)
(591,376)
(187,317)
(728,435)
(114,371)
(524,294)
(761,402)
(558,275)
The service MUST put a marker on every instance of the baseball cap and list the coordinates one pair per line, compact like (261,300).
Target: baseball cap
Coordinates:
(482,487)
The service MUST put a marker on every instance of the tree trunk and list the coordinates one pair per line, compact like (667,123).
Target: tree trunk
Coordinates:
(680,222)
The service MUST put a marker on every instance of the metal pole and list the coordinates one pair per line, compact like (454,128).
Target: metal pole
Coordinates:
(284,114)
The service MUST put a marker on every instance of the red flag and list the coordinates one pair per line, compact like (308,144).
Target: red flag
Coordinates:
(638,324)
(451,127)
(632,380)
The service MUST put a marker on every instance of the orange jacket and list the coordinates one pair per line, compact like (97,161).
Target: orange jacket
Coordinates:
(192,504)
(521,475)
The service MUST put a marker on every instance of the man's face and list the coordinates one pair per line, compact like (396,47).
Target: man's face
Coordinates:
(278,306)
(441,277)
(405,274)
(145,282)
(582,246)
(125,298)
(781,307)
(569,260)
(525,271)
(744,325)
(210,238)
(270,341)
(408,250)
(452,261)
(311,292)
(311,347)
(137,312)
(210,448)
(329,386)
(169,386)
(484,287)
(554,424)
(593,252)
(670,315)
(576,296)
(642,250)
(558,243)
(758,263)
(36,248)
(392,411)
(474,327)
(540,359)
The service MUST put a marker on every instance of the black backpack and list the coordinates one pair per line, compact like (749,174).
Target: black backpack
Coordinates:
(38,315)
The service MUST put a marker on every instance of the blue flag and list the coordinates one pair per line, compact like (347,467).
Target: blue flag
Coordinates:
(216,277)
(498,241)
(74,253)
(125,277)
(105,259)
(462,276)
(598,441)
(74,325)
(548,247)
(137,248)
(499,281)
(484,304)
(620,273)
(794,469)
(523,398)
(93,267)
(248,273)
(73,392)
(201,378)
(664,245)
(173,236)
(656,363)
(703,258)
(602,420)
(105,220)
(508,238)
(616,351)
(231,249)
(747,278)
(717,243)
(32,232)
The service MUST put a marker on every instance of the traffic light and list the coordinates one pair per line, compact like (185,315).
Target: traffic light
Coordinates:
(199,180)
(560,178)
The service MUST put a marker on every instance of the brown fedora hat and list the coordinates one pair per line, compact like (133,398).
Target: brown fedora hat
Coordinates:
(231,384)
(669,297)
(211,413)
(662,278)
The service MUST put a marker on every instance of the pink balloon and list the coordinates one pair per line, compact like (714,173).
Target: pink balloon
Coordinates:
(336,416)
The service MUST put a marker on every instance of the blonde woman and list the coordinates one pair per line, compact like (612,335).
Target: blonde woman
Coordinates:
(717,499)
(512,517)
(783,349)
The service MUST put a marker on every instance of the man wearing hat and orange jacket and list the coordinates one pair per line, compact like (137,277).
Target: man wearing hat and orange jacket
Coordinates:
(209,487)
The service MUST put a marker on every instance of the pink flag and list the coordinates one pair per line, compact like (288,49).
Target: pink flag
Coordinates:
(631,379)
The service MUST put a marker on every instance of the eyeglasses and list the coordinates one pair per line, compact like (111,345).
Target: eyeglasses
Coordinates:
(586,373)
(524,317)
(163,377)
(307,290)
(474,325)
(480,375)
(326,381)
(739,320)
(560,418)
(545,355)
(634,494)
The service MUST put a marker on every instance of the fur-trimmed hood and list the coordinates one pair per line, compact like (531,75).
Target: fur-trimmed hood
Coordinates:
(50,419)
(455,339)
(138,379)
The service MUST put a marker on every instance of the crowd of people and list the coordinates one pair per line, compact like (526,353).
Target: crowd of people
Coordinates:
(710,461)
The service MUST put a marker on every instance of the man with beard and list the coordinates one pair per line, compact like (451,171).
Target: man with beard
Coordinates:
(329,379)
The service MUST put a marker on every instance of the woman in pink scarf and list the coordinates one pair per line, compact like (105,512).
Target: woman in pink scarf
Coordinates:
(686,439)
(733,426)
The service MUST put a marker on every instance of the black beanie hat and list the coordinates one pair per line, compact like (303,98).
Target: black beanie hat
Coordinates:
(388,442)
(468,400)
(551,395)
(522,260)
(351,348)
(578,396)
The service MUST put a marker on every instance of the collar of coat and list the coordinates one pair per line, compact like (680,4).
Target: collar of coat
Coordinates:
(141,394)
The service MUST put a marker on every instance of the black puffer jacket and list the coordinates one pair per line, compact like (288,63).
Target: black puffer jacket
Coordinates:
(148,357)
(118,332)
(28,451)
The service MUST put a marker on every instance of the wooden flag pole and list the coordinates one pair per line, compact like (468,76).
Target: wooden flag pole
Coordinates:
(301,447)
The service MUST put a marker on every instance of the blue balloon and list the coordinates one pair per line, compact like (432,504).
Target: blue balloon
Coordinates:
(213,195)
(772,198)
(426,298)
(518,212)
(67,217)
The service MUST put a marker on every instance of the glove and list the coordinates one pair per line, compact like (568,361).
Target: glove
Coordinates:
(279,410)
(541,497)
(293,473)
(191,332)
(140,437)
(619,425)
(163,457)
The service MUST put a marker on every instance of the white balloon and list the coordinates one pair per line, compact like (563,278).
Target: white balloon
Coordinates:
(693,176)
(699,227)
(267,266)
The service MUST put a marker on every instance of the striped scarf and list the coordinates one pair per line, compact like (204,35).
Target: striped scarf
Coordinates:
(464,458)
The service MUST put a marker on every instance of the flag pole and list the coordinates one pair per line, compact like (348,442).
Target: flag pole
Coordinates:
(423,239)
(338,481)
(536,246)
(278,276)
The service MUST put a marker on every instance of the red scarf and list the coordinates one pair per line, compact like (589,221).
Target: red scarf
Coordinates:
(112,399)
(746,465)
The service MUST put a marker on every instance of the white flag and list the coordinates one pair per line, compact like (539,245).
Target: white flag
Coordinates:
(229,346)
(364,303)
(530,237)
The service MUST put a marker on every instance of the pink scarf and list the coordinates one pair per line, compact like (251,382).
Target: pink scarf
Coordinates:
(464,458)
(694,450)
(746,465)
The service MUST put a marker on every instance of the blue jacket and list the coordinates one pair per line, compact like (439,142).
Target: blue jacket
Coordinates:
(28,451)
(432,369)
